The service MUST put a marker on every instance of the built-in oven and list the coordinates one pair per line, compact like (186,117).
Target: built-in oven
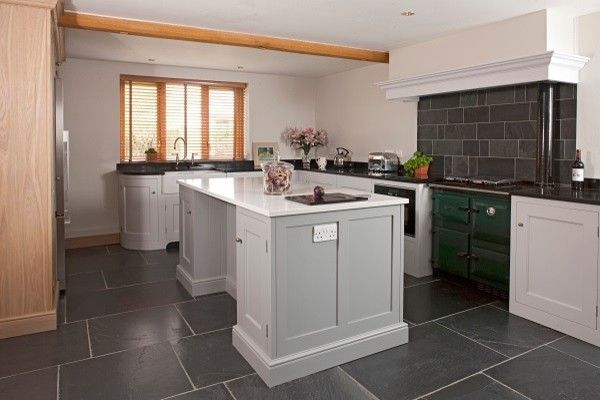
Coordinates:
(409,209)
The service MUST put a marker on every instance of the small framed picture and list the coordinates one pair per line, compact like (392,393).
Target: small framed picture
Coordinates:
(263,152)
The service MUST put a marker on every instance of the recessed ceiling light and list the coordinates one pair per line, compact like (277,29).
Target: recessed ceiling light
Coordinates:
(151,59)
(408,13)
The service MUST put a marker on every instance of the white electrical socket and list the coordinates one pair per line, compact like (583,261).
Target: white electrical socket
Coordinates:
(324,233)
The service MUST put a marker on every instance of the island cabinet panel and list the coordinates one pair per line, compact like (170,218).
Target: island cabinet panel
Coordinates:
(328,291)
(186,238)
(307,286)
(556,261)
(253,277)
(170,205)
(370,279)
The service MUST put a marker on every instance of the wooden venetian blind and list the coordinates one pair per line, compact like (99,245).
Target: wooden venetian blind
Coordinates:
(156,111)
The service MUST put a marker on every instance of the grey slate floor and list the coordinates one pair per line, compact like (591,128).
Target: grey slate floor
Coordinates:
(128,330)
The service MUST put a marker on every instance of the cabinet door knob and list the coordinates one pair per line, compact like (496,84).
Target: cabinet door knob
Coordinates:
(238,240)
(520,224)
(188,212)
(153,192)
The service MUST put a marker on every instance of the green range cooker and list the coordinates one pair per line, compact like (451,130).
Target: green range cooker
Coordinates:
(471,235)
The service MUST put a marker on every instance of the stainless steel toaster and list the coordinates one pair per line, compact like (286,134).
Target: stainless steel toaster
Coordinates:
(383,162)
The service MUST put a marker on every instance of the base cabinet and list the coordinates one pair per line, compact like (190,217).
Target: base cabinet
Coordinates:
(303,306)
(554,265)
(139,212)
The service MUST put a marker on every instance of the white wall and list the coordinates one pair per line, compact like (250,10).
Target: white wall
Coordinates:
(588,94)
(91,94)
(357,116)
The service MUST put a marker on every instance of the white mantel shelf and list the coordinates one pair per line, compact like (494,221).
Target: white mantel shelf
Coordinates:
(550,66)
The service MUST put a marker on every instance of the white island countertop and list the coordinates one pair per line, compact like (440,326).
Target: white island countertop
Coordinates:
(248,193)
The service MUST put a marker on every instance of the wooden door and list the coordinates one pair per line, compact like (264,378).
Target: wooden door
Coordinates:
(556,261)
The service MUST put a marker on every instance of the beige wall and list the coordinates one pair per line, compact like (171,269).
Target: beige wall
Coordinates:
(358,117)
(516,37)
(92,117)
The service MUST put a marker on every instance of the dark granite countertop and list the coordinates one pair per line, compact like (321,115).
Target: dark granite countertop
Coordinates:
(160,167)
(589,195)
(561,193)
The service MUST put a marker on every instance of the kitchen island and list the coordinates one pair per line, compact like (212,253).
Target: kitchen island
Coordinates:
(316,286)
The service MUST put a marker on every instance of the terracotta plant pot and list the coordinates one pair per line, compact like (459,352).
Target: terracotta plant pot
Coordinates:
(151,157)
(422,172)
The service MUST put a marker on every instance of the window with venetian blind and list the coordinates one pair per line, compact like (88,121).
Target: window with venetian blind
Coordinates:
(156,111)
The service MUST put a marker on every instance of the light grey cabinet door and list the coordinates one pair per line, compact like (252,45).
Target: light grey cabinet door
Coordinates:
(253,277)
(186,232)
(139,209)
(556,260)
(171,217)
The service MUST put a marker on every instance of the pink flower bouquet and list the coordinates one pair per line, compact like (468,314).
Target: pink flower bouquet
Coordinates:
(306,138)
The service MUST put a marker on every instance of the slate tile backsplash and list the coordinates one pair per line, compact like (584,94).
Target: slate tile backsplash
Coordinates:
(493,132)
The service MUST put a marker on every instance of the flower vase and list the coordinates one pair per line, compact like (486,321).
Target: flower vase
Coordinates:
(306,160)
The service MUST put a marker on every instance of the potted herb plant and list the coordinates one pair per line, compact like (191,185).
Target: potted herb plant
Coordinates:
(151,154)
(418,165)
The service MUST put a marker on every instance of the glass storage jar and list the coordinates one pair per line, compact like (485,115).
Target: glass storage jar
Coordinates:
(277,177)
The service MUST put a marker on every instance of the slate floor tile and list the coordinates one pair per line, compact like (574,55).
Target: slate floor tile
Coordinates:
(210,313)
(94,304)
(136,329)
(146,373)
(124,276)
(410,280)
(211,358)
(578,349)
(86,252)
(61,313)
(117,249)
(332,384)
(163,257)
(548,374)
(477,387)
(36,385)
(27,353)
(433,357)
(215,392)
(500,330)
(85,282)
(428,302)
(503,304)
(78,265)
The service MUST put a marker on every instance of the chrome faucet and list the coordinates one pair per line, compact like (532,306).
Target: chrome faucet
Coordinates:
(184,146)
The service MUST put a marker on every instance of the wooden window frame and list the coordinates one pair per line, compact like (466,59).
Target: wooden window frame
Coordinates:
(239,128)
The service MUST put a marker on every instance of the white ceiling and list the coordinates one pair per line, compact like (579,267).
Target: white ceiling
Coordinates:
(373,24)
(127,48)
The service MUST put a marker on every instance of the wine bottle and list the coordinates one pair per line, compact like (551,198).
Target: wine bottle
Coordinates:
(577,172)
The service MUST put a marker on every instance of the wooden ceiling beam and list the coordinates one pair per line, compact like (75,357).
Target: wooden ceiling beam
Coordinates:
(71,19)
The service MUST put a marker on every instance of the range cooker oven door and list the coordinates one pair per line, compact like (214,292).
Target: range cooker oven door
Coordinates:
(409,209)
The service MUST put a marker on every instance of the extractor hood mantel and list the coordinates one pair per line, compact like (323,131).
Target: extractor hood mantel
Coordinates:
(549,66)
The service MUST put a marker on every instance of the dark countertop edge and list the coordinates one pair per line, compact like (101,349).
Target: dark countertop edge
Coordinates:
(557,193)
